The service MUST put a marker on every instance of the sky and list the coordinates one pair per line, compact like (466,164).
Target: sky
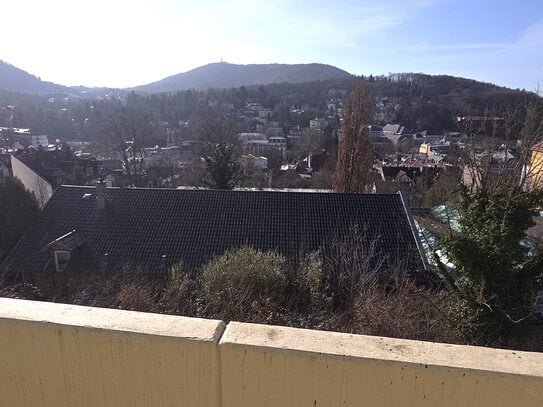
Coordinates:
(123,43)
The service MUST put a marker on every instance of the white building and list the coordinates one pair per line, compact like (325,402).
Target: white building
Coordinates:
(261,147)
(35,182)
(318,124)
(26,138)
(246,137)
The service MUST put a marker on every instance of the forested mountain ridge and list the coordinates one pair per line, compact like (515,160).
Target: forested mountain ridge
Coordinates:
(17,80)
(431,102)
(416,101)
(224,75)
(13,79)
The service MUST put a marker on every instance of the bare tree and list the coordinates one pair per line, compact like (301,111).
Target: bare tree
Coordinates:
(519,129)
(42,190)
(309,142)
(126,130)
(355,156)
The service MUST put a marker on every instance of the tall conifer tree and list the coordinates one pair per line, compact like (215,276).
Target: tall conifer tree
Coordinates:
(355,156)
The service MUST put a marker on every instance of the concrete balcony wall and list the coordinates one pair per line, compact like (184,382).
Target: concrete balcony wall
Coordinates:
(278,366)
(62,355)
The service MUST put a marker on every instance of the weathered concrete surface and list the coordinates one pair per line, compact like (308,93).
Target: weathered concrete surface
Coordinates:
(277,366)
(61,355)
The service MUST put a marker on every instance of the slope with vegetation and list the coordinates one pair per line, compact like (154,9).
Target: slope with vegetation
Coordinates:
(224,75)
(18,210)
(417,101)
(15,79)
(498,275)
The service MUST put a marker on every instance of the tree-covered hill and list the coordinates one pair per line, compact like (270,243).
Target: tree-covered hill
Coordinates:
(417,101)
(224,75)
(15,79)
(432,102)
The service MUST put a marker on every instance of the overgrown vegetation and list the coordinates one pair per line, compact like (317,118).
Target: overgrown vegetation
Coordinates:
(498,276)
(243,281)
(248,285)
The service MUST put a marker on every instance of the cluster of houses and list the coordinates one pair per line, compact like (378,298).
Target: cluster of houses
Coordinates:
(43,171)
(264,135)
(415,154)
(106,229)
(13,139)
(411,156)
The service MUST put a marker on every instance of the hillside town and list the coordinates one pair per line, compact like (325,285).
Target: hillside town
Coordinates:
(271,152)
(291,204)
(269,203)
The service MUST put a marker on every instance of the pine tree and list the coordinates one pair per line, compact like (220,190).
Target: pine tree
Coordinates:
(220,145)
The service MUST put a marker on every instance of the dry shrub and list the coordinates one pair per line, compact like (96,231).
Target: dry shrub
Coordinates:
(402,309)
(179,295)
(241,281)
(347,259)
(24,291)
(137,295)
(92,289)
(311,288)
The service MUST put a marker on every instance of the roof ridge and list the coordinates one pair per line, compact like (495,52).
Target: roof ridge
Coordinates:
(298,191)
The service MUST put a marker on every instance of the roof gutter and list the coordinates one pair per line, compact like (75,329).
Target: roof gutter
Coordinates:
(414,231)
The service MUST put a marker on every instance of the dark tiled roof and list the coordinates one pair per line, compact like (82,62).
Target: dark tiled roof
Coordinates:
(47,163)
(34,162)
(140,226)
(321,161)
(393,173)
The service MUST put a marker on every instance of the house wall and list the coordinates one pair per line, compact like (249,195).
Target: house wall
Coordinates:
(535,174)
(424,148)
(32,181)
(471,176)
(63,355)
(257,149)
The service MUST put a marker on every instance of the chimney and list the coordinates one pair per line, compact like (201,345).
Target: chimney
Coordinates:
(101,194)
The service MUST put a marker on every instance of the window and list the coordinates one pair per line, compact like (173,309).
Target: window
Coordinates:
(62,257)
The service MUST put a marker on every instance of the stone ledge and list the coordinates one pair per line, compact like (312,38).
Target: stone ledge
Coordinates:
(111,319)
(277,338)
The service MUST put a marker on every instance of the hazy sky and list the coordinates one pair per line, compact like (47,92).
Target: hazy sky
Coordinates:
(121,43)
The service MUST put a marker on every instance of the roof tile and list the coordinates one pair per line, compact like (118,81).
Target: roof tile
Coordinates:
(139,226)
